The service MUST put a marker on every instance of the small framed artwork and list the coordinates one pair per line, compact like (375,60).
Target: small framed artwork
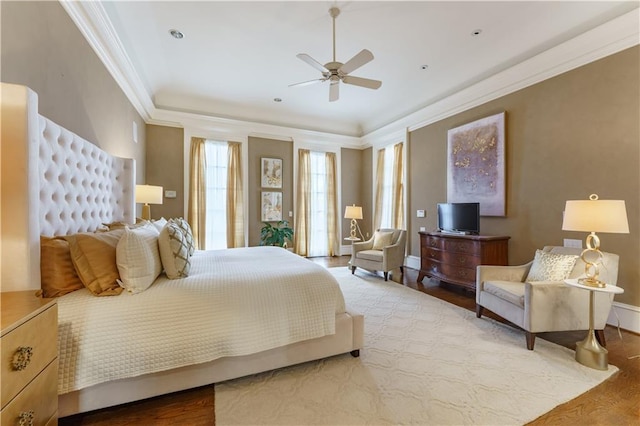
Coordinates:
(271,173)
(476,164)
(271,206)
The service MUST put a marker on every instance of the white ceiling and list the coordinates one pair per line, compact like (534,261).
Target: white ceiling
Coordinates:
(236,57)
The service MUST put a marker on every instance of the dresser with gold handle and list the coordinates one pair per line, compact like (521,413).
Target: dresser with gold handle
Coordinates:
(29,370)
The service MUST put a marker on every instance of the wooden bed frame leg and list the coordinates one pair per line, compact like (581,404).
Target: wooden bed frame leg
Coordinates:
(355,353)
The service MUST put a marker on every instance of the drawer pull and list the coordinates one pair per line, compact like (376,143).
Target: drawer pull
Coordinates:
(462,260)
(26,418)
(22,358)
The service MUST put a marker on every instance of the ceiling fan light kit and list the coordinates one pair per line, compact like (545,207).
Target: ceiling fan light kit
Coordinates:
(335,71)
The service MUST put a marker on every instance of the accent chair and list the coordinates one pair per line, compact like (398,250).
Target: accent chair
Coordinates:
(544,306)
(384,251)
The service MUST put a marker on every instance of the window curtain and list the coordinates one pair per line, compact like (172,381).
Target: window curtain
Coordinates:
(377,212)
(303,208)
(197,191)
(332,205)
(397,207)
(235,197)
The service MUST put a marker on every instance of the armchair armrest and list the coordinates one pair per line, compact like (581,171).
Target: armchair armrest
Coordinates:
(362,245)
(393,255)
(516,273)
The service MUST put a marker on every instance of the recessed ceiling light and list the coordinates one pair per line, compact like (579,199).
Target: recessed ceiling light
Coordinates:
(424,67)
(176,34)
(277,100)
(476,32)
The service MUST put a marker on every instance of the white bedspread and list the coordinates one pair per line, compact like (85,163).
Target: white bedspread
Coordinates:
(235,302)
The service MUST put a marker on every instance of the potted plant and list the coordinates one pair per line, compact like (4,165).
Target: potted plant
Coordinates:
(276,235)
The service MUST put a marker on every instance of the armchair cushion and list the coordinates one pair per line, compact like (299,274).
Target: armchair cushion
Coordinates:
(551,267)
(375,255)
(382,239)
(512,292)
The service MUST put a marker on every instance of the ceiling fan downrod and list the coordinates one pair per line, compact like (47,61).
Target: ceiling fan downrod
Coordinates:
(334,12)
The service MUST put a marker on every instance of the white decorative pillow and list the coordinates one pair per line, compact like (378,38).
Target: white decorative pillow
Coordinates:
(159,224)
(551,267)
(138,258)
(382,239)
(188,233)
(174,251)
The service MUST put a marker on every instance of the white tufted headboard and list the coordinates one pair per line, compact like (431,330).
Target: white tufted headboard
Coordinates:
(53,183)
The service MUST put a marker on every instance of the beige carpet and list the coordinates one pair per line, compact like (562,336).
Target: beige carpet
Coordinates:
(425,362)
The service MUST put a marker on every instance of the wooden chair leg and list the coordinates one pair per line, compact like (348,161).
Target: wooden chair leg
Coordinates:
(600,338)
(402,269)
(386,276)
(355,353)
(479,310)
(531,340)
(353,270)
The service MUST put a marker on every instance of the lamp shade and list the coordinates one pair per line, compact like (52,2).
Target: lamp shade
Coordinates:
(353,212)
(596,215)
(148,194)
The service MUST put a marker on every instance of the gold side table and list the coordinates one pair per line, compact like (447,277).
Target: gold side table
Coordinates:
(589,352)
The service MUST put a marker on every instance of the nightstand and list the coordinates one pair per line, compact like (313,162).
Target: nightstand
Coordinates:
(29,370)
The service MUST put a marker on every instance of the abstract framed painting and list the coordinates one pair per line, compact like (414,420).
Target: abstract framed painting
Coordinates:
(476,164)
(271,206)
(271,172)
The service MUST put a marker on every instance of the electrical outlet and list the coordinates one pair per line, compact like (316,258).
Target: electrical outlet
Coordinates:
(568,242)
(423,229)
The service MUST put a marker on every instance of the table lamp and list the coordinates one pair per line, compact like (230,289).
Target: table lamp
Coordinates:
(148,194)
(594,215)
(353,212)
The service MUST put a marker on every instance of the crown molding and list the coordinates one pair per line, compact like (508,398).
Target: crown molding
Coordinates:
(611,37)
(93,22)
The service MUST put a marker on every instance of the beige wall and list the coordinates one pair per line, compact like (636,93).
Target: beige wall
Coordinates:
(44,50)
(567,137)
(258,148)
(165,167)
(356,187)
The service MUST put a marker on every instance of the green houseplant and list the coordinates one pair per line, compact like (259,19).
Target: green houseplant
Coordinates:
(276,235)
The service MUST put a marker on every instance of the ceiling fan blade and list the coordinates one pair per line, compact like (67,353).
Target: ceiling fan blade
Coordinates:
(362,82)
(357,61)
(308,59)
(306,83)
(334,91)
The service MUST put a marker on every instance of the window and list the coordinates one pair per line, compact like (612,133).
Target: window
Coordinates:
(216,194)
(387,189)
(318,241)
(389,212)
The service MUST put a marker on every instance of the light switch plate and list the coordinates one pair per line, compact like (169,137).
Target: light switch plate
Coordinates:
(169,194)
(420,213)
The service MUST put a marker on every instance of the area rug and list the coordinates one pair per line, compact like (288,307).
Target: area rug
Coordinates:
(424,361)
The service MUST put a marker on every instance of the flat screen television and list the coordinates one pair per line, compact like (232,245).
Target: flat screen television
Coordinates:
(459,218)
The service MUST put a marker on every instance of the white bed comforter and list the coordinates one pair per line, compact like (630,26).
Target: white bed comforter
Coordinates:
(235,302)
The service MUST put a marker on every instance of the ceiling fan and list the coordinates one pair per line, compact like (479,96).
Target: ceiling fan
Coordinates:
(337,71)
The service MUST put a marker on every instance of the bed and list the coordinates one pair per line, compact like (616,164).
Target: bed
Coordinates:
(62,185)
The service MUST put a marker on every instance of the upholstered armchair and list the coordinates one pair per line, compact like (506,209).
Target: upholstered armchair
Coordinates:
(383,252)
(543,306)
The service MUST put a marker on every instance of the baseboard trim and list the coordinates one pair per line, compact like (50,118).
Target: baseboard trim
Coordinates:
(412,262)
(345,250)
(628,315)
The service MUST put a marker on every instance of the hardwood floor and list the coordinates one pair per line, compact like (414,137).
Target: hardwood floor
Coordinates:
(614,402)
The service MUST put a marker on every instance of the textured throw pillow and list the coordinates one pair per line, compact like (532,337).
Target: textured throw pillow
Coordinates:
(382,239)
(551,267)
(174,251)
(138,258)
(94,257)
(57,274)
(188,233)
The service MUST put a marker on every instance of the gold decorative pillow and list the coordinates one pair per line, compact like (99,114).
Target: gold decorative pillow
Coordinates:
(174,251)
(551,267)
(382,239)
(57,274)
(94,257)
